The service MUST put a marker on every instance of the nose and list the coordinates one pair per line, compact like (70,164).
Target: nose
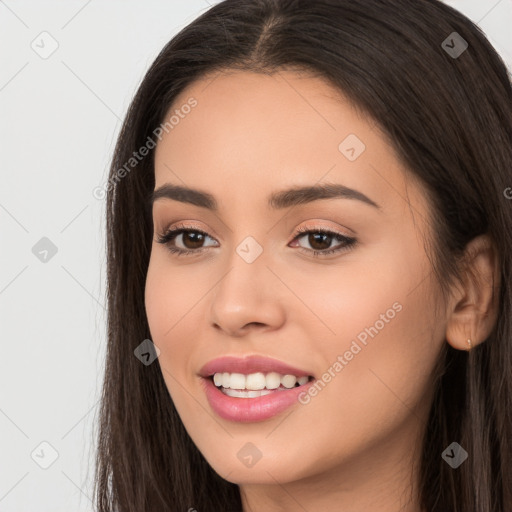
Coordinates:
(248,297)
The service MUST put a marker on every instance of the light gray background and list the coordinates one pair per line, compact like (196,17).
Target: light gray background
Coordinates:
(59,120)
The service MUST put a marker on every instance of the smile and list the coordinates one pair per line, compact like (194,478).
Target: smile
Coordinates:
(255,384)
(238,402)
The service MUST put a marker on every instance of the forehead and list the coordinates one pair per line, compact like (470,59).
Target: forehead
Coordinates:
(255,116)
(256,132)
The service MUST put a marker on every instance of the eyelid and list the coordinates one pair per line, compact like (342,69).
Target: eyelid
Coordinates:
(172,226)
(295,232)
(348,242)
(313,225)
(182,227)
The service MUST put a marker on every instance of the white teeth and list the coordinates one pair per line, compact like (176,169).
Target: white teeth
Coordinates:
(302,380)
(256,382)
(288,381)
(273,380)
(237,381)
(246,394)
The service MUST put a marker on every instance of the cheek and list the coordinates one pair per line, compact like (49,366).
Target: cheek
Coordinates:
(163,301)
(377,393)
(169,297)
(378,359)
(387,352)
(173,308)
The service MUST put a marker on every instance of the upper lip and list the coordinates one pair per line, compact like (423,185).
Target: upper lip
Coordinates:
(249,364)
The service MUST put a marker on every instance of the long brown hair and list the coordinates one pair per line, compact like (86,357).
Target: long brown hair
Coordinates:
(449,118)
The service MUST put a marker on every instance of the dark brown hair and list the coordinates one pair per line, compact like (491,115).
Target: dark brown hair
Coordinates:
(449,119)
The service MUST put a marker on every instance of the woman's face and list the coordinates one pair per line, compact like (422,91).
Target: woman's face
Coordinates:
(358,320)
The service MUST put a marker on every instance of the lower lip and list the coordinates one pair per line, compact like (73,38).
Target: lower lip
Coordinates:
(246,410)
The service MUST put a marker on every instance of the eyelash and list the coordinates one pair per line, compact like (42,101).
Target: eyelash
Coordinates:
(171,234)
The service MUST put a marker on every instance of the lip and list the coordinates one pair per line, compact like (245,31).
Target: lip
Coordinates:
(249,364)
(246,410)
(250,409)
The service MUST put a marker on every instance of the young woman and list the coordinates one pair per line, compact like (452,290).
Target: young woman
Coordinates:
(309,265)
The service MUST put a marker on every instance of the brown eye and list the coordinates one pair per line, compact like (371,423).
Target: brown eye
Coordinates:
(188,241)
(191,239)
(183,240)
(320,241)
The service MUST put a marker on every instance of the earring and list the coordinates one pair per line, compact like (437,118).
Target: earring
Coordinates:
(469,343)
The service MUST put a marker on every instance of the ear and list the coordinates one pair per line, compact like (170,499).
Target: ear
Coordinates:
(474,305)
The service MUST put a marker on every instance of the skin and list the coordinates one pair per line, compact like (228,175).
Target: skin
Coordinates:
(355,446)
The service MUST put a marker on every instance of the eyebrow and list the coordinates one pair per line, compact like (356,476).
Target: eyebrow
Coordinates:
(277,200)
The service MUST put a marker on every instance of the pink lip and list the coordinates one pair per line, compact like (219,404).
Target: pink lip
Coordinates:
(247,410)
(250,409)
(250,364)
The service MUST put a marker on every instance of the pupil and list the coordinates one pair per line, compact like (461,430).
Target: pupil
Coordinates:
(195,238)
(313,239)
